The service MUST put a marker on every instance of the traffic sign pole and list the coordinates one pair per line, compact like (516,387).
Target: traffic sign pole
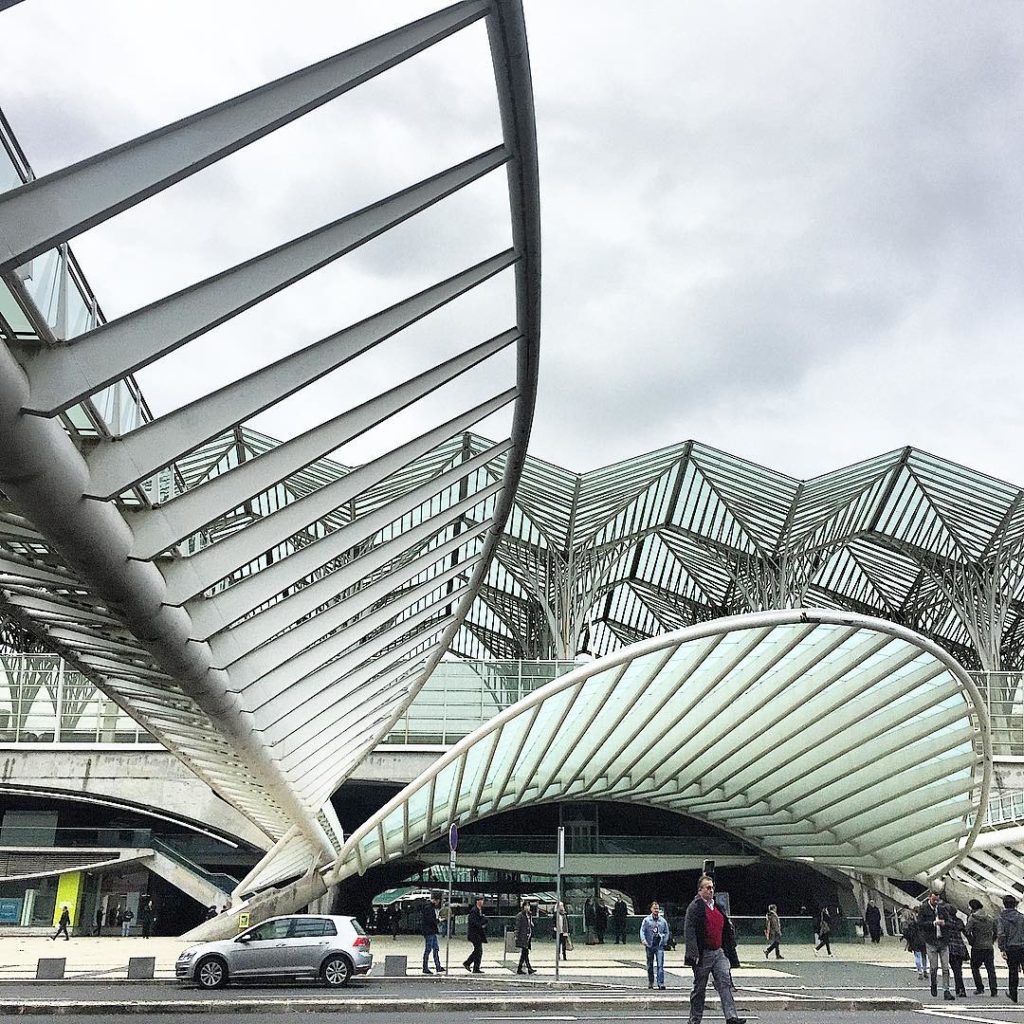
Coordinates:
(559,864)
(453,842)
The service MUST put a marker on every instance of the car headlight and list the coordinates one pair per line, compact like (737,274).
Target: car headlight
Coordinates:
(187,954)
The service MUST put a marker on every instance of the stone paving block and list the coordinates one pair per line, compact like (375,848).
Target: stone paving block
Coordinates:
(141,967)
(395,966)
(51,967)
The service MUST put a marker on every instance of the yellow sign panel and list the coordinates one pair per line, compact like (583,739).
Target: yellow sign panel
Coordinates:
(243,920)
(69,891)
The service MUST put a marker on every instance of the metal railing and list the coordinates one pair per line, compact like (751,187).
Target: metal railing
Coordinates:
(1004,699)
(650,846)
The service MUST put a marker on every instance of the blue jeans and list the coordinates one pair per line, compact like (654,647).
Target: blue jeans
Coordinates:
(430,945)
(655,955)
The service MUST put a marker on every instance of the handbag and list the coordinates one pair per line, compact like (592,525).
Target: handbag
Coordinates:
(568,942)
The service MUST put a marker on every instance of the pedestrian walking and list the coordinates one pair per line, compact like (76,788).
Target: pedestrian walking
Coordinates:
(910,927)
(957,951)
(773,932)
(711,952)
(654,934)
(476,932)
(824,932)
(99,920)
(620,912)
(934,919)
(524,939)
(601,921)
(124,919)
(62,924)
(562,936)
(981,934)
(873,922)
(1010,939)
(429,927)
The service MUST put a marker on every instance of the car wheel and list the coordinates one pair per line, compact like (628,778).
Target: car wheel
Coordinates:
(337,972)
(211,973)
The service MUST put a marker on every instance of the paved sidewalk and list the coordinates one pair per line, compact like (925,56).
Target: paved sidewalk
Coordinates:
(107,958)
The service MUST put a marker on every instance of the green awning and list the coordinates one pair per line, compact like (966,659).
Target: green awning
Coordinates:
(389,896)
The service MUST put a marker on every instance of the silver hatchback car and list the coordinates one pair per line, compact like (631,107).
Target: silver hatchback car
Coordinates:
(297,946)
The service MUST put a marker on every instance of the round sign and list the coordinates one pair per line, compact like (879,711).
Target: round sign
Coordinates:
(453,837)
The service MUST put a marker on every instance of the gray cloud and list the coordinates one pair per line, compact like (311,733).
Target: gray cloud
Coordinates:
(791,231)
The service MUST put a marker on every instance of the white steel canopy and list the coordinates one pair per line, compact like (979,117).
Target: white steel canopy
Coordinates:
(843,740)
(267,642)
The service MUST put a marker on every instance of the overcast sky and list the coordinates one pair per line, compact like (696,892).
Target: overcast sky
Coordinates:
(790,230)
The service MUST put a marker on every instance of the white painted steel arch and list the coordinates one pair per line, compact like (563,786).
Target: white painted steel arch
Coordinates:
(269,650)
(836,738)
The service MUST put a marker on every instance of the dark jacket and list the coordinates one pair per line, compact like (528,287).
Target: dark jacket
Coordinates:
(621,911)
(524,930)
(1010,928)
(695,933)
(476,931)
(981,929)
(428,921)
(873,919)
(926,917)
(65,917)
(957,946)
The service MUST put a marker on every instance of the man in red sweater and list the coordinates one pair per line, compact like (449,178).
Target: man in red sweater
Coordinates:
(710,951)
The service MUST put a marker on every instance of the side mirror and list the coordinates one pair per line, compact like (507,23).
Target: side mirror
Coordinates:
(244,938)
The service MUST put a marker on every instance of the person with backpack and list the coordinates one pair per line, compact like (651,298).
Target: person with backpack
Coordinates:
(981,934)
(914,939)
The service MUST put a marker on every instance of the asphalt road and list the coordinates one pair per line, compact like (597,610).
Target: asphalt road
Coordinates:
(1003,1015)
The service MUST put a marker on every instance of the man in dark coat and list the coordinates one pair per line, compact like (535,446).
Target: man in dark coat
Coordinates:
(524,939)
(146,916)
(600,921)
(1010,939)
(873,921)
(476,932)
(429,930)
(934,919)
(710,951)
(619,914)
(63,923)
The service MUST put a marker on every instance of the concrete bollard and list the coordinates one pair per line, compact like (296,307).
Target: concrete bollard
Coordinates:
(50,968)
(395,966)
(141,968)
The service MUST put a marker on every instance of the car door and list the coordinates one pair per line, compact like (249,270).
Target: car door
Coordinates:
(307,942)
(261,950)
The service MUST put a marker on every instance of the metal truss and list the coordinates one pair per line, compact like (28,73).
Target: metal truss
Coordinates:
(846,741)
(688,533)
(265,620)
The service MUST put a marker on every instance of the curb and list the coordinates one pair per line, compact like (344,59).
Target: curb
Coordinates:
(339,1004)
